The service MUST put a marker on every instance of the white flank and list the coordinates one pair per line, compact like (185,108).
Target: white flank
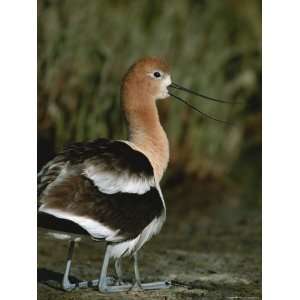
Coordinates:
(93,227)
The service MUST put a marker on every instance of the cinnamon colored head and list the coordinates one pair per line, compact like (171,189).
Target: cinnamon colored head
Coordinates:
(146,80)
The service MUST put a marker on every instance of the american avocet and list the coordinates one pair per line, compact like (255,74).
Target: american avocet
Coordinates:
(109,189)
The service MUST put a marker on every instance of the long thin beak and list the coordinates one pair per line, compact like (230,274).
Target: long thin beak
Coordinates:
(178,87)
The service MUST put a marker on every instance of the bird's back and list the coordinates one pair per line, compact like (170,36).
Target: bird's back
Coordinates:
(105,187)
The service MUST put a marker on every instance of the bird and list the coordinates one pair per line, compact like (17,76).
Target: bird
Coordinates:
(110,190)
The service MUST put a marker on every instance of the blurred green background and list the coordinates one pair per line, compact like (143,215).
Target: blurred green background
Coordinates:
(213,46)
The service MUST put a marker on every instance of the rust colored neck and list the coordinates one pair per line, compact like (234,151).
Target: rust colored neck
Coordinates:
(146,132)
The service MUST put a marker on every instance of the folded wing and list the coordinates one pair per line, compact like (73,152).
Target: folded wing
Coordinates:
(106,187)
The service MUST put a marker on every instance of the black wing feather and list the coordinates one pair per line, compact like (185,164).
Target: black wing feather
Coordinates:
(129,213)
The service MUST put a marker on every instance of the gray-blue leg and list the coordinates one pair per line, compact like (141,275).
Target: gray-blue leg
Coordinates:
(119,272)
(146,286)
(66,284)
(137,284)
(103,283)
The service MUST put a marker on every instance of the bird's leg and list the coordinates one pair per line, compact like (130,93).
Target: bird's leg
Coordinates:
(66,284)
(119,272)
(103,282)
(137,284)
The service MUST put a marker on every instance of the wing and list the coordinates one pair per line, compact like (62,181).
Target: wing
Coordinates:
(112,165)
(49,173)
(106,187)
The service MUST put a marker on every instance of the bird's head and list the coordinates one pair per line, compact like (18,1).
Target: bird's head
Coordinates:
(148,79)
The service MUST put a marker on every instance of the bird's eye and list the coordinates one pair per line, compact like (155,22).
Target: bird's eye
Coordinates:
(156,74)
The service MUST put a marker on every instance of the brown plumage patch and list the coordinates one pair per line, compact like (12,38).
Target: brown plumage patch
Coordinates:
(127,212)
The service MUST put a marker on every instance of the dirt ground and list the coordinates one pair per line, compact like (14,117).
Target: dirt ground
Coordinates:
(209,247)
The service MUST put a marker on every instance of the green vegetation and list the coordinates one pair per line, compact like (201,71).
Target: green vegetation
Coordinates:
(214,47)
